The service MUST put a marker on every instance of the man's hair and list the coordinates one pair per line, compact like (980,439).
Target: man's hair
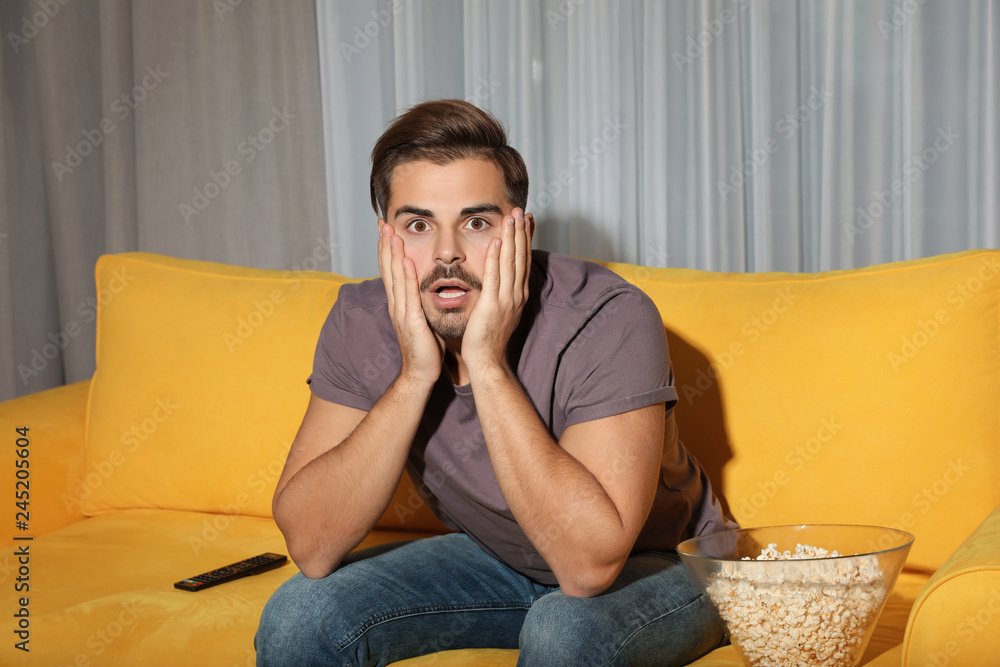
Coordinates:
(441,132)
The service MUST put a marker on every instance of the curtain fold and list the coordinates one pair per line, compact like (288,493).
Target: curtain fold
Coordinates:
(185,128)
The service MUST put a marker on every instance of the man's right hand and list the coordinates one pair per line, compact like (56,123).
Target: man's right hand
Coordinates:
(422,349)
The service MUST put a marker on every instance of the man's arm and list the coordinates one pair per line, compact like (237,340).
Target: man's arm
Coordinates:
(581,501)
(345,464)
(341,472)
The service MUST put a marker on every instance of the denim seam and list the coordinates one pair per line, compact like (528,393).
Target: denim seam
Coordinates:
(654,620)
(416,611)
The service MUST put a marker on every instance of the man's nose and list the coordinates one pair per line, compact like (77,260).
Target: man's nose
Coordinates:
(448,247)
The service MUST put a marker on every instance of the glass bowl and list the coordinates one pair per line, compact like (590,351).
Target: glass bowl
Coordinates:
(807,610)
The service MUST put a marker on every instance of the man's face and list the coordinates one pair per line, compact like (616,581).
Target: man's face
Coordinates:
(447,216)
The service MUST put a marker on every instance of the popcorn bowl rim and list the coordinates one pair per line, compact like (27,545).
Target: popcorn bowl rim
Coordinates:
(690,548)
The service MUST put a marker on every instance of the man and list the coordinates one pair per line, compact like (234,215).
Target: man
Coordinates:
(529,395)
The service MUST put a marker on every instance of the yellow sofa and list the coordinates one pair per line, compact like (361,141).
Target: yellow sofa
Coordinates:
(865,396)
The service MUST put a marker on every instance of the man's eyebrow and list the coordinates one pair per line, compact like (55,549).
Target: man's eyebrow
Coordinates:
(467,211)
(413,210)
(480,208)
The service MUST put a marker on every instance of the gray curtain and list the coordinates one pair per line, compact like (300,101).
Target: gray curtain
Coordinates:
(192,129)
(726,135)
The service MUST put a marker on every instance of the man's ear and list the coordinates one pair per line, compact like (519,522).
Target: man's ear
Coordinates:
(531,222)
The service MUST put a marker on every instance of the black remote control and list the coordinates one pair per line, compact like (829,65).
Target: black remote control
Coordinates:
(244,568)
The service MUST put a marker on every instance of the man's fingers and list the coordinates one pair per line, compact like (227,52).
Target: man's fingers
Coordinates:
(521,245)
(412,290)
(385,259)
(492,279)
(506,264)
(529,233)
(397,254)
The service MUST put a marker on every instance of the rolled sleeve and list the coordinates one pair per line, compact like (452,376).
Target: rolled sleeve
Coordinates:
(618,361)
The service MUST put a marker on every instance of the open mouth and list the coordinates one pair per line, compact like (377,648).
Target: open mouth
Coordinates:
(448,292)
(450,288)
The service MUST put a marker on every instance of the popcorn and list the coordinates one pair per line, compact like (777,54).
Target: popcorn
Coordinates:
(813,613)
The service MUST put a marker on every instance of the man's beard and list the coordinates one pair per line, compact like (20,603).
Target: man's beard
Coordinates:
(448,322)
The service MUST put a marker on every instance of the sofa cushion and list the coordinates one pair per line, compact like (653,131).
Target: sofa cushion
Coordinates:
(863,396)
(200,382)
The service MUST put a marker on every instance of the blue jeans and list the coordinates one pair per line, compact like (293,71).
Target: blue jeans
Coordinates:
(405,599)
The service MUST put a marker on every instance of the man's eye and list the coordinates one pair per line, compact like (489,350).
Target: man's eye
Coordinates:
(477,224)
(418,226)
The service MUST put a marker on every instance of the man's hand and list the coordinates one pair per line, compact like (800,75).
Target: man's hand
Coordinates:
(422,349)
(505,291)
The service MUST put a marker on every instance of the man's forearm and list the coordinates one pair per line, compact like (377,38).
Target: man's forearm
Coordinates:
(328,507)
(557,501)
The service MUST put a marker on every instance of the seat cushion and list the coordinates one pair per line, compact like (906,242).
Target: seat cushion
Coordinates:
(102,589)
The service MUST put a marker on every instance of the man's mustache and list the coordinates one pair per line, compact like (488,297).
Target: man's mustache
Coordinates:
(451,272)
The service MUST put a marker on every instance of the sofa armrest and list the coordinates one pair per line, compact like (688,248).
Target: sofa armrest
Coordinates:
(56,422)
(958,611)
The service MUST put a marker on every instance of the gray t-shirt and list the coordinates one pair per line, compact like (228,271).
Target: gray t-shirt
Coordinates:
(589,345)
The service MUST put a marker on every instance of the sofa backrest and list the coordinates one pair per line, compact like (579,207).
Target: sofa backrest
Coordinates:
(200,382)
(864,396)
(201,386)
